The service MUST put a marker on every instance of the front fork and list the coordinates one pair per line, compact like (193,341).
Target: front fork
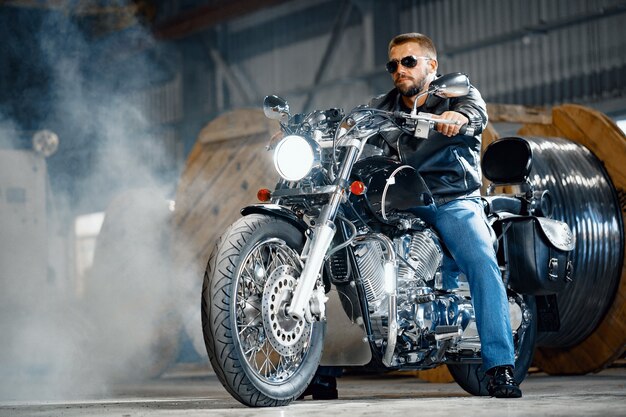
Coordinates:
(320,240)
(315,251)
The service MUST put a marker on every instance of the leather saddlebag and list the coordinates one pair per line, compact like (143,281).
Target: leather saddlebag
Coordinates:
(538,252)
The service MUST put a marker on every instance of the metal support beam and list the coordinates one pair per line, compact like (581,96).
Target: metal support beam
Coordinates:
(369,37)
(37,4)
(77,8)
(192,21)
(338,28)
(229,75)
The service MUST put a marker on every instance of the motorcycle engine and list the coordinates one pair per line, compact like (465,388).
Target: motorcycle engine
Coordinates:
(420,258)
(419,310)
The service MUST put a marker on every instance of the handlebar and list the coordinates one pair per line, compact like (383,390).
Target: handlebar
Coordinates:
(466,130)
(424,120)
(422,123)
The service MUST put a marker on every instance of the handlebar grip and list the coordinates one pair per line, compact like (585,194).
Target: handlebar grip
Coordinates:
(466,130)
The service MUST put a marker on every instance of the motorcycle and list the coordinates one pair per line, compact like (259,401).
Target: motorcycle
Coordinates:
(334,267)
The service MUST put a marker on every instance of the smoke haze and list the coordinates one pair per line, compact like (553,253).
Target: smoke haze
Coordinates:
(63,337)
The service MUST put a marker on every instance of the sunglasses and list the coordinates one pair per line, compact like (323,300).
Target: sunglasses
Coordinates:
(407,62)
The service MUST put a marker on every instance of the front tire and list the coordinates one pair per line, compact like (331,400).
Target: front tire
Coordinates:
(472,377)
(262,356)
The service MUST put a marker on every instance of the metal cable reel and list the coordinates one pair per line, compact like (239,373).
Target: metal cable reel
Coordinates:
(586,175)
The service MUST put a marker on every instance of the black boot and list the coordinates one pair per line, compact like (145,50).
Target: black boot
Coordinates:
(322,387)
(502,384)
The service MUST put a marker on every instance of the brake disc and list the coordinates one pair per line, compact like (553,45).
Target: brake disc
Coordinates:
(287,335)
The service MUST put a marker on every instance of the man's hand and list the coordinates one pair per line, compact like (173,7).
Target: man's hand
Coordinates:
(450,129)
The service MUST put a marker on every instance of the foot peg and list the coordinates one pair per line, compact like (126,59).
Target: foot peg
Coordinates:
(447,332)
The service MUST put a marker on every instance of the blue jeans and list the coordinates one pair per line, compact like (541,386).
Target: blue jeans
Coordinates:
(463,227)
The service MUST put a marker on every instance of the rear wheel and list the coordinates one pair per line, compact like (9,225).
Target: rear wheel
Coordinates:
(472,377)
(262,356)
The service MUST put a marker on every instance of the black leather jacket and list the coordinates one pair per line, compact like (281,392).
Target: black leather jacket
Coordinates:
(450,166)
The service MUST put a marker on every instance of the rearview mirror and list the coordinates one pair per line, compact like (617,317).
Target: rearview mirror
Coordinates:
(450,85)
(276,108)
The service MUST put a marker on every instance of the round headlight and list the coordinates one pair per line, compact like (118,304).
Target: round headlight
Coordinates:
(294,157)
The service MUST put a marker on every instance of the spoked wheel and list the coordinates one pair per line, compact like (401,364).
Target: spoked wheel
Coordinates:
(262,356)
(523,310)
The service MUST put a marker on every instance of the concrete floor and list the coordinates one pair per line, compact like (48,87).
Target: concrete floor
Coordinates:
(192,392)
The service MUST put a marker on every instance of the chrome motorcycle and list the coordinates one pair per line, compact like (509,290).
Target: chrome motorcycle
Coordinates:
(335,268)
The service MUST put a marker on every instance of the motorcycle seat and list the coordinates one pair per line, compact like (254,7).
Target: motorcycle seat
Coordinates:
(501,203)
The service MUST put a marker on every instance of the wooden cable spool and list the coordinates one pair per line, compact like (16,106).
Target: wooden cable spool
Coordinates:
(604,139)
(225,169)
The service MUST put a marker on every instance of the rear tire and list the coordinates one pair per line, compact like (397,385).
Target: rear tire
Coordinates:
(262,357)
(472,377)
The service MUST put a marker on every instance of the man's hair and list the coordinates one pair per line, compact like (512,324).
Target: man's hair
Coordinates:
(422,40)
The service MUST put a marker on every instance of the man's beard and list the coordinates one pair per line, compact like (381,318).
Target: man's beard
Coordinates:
(413,89)
(417,85)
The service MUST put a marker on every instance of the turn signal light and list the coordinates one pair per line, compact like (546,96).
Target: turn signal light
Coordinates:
(357,188)
(264,195)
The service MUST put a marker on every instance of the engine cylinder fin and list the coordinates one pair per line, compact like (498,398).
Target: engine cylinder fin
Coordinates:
(425,254)
(368,257)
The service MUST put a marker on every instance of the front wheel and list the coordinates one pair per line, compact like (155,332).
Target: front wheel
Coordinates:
(261,355)
(472,377)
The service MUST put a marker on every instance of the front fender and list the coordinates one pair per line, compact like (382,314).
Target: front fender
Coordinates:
(276,210)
